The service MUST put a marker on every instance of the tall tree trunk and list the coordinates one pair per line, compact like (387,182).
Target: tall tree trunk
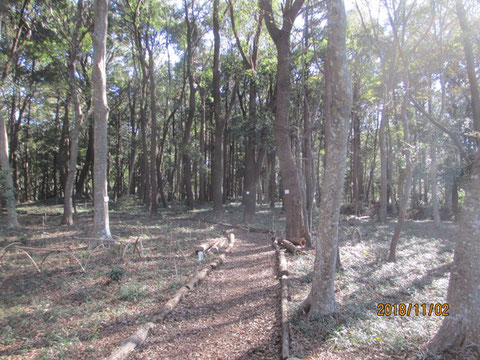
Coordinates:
(202,191)
(133,142)
(467,35)
(153,140)
(67,218)
(63,147)
(408,177)
(433,179)
(6,174)
(357,166)
(272,179)
(26,164)
(461,329)
(80,188)
(295,224)
(308,114)
(382,214)
(338,106)
(101,224)
(254,153)
(217,166)
(184,150)
(6,177)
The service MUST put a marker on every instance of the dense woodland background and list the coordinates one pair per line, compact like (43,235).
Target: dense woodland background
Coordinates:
(172,43)
(238,101)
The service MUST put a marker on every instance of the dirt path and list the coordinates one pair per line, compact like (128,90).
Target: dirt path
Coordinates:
(232,315)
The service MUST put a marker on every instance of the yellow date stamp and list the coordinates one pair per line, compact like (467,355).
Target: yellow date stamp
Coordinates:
(387,309)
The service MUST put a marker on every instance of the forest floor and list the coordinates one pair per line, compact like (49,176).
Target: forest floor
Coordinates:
(64,313)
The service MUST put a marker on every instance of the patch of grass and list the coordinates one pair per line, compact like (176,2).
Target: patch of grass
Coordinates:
(131,292)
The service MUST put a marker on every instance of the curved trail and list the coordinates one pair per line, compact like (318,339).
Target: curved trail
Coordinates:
(233,314)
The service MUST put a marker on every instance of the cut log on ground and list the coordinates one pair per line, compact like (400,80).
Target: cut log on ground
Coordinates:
(141,334)
(283,275)
(282,264)
(204,247)
(298,241)
(217,246)
(132,342)
(292,248)
(285,322)
(198,277)
(173,302)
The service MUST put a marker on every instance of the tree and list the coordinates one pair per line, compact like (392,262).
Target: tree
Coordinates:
(295,227)
(217,167)
(192,41)
(153,146)
(254,153)
(22,32)
(338,105)
(101,225)
(75,47)
(462,327)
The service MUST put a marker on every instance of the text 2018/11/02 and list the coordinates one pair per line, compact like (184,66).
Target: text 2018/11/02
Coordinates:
(386,309)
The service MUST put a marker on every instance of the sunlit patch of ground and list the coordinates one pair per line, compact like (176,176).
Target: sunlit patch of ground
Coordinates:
(65,313)
(419,276)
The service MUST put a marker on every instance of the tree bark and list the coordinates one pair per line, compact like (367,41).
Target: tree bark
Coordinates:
(217,166)
(461,328)
(67,218)
(408,177)
(357,166)
(382,214)
(295,224)
(101,224)
(254,153)
(433,179)
(338,106)
(184,150)
(6,177)
(153,139)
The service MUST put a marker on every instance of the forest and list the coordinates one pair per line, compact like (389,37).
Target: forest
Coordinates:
(239,179)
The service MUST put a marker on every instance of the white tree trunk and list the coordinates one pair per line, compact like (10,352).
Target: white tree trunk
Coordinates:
(338,105)
(433,180)
(101,226)
(462,327)
(6,175)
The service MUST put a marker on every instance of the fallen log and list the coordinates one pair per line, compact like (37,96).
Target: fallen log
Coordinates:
(141,334)
(217,246)
(292,248)
(283,275)
(298,241)
(284,318)
(198,277)
(282,264)
(217,262)
(204,247)
(132,342)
